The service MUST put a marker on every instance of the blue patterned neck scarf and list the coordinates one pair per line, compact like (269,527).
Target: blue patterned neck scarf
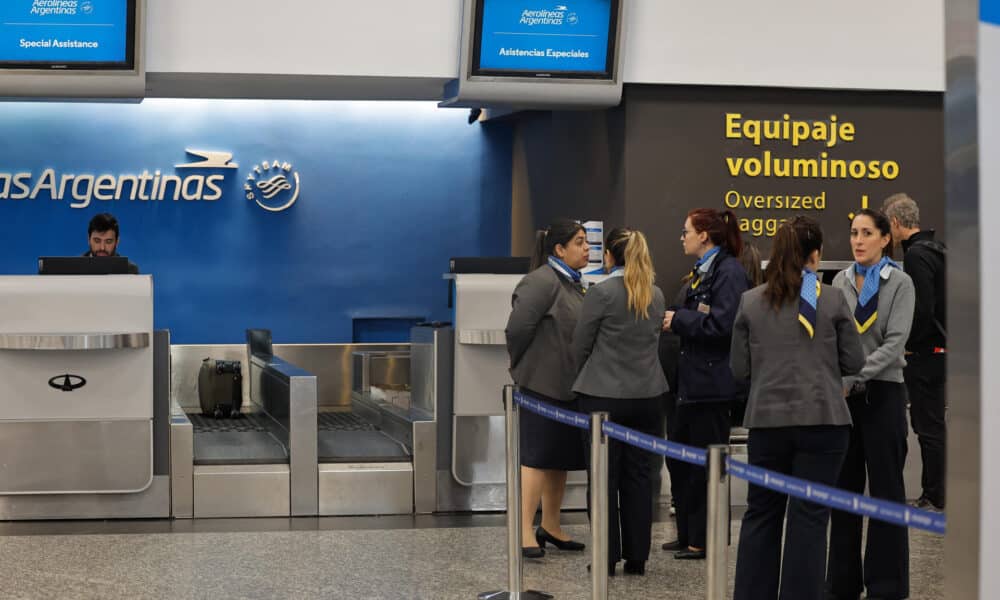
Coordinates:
(565,270)
(808,297)
(866,312)
(702,267)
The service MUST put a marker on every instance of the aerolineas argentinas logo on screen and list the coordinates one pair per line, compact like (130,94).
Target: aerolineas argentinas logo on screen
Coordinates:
(49,8)
(559,15)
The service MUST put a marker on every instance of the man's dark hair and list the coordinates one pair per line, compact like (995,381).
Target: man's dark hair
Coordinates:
(103,222)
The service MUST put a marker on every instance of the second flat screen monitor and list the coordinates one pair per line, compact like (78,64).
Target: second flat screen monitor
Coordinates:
(540,38)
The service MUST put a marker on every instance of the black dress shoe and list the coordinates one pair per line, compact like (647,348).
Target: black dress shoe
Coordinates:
(532,552)
(674,546)
(543,537)
(688,554)
(611,569)
(635,567)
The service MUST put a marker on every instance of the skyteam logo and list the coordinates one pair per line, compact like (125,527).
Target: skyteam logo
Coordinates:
(273,185)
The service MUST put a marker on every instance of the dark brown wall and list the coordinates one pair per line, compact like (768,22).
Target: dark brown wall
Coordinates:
(566,164)
(663,152)
(676,149)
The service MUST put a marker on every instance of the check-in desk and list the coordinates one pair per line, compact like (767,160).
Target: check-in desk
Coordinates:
(474,449)
(261,464)
(77,400)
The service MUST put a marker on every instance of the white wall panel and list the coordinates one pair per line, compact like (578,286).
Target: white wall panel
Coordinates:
(887,44)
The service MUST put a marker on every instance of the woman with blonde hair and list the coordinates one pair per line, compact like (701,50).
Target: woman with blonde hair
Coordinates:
(615,348)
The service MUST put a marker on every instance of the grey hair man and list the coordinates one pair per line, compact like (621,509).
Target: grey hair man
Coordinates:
(924,262)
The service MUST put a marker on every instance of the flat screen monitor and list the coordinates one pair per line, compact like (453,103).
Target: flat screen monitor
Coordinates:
(573,39)
(68,34)
(83,265)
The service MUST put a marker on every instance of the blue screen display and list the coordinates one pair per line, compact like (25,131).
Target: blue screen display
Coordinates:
(545,36)
(64,31)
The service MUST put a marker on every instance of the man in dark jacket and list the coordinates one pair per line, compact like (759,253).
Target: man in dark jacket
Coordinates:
(924,262)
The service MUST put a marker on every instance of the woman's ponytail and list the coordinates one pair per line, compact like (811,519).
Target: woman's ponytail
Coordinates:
(734,241)
(794,242)
(630,250)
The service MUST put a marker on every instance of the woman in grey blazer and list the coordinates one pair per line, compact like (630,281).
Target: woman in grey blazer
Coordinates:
(793,339)
(615,345)
(546,306)
(881,297)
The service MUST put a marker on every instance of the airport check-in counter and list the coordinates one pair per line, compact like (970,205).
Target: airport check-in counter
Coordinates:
(476,453)
(83,377)
(261,464)
(305,445)
(366,454)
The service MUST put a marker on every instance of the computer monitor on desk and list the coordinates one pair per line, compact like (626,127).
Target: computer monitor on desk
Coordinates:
(83,265)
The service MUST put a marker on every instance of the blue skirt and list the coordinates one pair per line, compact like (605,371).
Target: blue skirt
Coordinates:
(548,444)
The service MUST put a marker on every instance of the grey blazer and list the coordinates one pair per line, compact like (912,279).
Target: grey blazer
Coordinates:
(546,307)
(885,342)
(617,353)
(795,380)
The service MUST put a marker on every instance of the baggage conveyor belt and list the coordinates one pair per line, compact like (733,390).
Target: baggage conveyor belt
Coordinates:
(248,440)
(347,438)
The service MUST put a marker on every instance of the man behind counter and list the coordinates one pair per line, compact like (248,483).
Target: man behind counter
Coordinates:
(103,236)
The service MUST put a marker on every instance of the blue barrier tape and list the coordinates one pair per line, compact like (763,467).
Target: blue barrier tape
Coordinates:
(688,454)
(567,417)
(865,506)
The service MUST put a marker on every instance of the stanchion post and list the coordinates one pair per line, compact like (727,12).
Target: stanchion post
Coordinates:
(717,541)
(598,506)
(514,558)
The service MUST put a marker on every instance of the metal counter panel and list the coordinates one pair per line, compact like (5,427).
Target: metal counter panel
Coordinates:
(76,457)
(366,489)
(241,491)
(151,503)
(482,306)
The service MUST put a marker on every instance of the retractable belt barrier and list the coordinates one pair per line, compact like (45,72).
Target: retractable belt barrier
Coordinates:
(865,506)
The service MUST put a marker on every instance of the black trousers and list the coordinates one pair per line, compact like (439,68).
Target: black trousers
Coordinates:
(698,424)
(630,486)
(925,381)
(813,453)
(673,466)
(878,446)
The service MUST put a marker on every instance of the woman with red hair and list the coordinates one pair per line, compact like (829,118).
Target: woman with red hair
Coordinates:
(703,320)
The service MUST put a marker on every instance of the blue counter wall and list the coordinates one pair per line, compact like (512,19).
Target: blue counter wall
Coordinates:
(388,192)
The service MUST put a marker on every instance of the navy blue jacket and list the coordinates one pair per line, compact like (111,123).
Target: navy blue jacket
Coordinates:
(703,373)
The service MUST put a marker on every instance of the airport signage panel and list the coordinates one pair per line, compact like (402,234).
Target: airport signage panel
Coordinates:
(65,33)
(544,38)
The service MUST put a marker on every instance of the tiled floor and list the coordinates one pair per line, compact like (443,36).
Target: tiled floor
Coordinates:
(393,557)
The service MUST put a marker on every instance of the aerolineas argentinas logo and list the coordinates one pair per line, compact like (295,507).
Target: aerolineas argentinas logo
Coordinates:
(558,15)
(191,182)
(273,185)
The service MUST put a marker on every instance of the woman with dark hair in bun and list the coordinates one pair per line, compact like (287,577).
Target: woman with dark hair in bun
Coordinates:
(705,386)
(546,308)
